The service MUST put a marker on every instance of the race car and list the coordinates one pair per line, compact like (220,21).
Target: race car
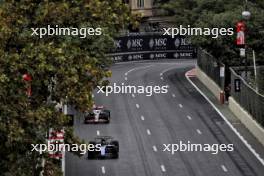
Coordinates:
(97,115)
(109,148)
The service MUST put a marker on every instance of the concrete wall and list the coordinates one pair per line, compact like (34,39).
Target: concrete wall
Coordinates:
(247,120)
(239,112)
(210,84)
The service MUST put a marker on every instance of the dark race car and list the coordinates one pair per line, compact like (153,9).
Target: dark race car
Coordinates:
(97,115)
(109,148)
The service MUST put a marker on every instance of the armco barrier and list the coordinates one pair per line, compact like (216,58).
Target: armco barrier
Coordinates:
(151,46)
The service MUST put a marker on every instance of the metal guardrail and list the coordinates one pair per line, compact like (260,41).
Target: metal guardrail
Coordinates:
(247,97)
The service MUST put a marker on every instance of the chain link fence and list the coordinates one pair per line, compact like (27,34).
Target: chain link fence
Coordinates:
(246,96)
(211,66)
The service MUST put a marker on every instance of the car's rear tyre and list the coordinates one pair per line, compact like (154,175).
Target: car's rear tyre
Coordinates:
(116,143)
(116,155)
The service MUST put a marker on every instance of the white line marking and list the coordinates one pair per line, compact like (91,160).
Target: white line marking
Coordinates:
(137,68)
(161,74)
(98,133)
(168,69)
(142,118)
(133,95)
(228,123)
(198,131)
(162,168)
(103,169)
(137,105)
(161,78)
(148,131)
(92,95)
(180,105)
(173,95)
(155,148)
(126,78)
(224,168)
(189,117)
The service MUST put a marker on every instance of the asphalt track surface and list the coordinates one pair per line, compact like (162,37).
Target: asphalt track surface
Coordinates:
(143,124)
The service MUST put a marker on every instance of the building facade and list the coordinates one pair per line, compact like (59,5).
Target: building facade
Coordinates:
(145,7)
(154,18)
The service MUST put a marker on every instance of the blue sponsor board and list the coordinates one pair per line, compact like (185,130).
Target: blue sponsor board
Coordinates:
(151,46)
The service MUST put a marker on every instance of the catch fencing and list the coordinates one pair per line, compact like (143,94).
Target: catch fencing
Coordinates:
(247,97)
(211,66)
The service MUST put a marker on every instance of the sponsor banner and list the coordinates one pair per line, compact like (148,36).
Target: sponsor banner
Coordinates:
(118,57)
(152,46)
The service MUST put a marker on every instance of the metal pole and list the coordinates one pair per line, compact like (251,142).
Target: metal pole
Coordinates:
(255,70)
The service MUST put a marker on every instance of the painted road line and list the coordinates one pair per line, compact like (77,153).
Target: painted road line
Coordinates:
(142,118)
(164,71)
(92,95)
(98,133)
(224,168)
(137,105)
(173,95)
(155,148)
(189,117)
(148,132)
(137,68)
(162,168)
(161,74)
(198,131)
(103,169)
(180,105)
(228,123)
(126,78)
(161,78)
(133,95)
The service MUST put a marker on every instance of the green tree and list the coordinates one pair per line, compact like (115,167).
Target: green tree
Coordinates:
(220,13)
(77,64)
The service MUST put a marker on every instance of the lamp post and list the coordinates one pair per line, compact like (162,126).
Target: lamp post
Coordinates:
(246,16)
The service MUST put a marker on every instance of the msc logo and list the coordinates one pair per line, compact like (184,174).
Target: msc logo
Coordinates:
(135,57)
(134,43)
(117,44)
(158,42)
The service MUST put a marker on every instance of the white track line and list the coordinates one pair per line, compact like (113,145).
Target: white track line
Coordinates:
(162,168)
(164,71)
(148,132)
(133,95)
(198,131)
(161,78)
(224,168)
(180,105)
(189,117)
(142,118)
(155,148)
(137,105)
(137,68)
(126,78)
(103,169)
(98,133)
(173,95)
(228,123)
(92,95)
